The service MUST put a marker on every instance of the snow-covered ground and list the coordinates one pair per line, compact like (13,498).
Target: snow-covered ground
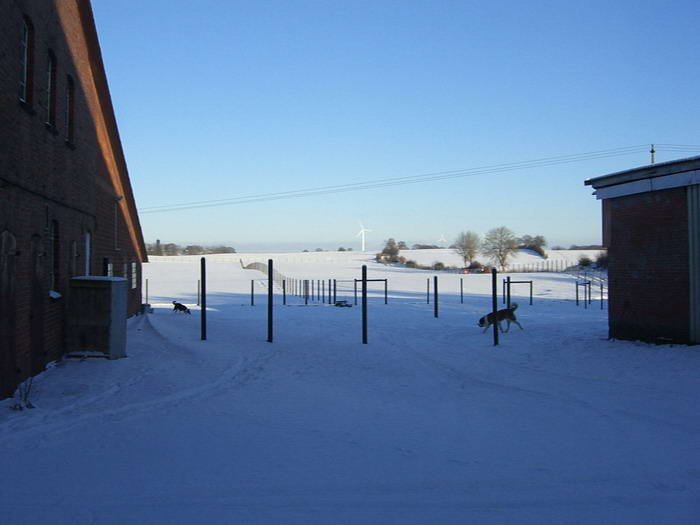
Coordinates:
(428,423)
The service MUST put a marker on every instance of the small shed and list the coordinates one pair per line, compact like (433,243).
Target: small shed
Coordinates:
(651,228)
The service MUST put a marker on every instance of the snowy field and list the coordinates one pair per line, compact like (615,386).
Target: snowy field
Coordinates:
(427,424)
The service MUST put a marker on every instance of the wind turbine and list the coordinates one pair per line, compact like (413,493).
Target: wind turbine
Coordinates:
(362,232)
(442,239)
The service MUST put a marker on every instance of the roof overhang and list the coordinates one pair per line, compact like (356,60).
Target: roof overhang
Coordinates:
(654,177)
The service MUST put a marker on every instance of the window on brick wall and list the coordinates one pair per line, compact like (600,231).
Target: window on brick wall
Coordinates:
(73,259)
(51,90)
(88,253)
(54,253)
(134,276)
(26,55)
(107,267)
(70,110)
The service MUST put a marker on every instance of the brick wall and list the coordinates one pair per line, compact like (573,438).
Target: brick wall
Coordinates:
(648,266)
(45,179)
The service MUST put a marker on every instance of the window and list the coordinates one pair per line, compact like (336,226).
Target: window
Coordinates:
(70,109)
(26,56)
(107,267)
(51,90)
(88,252)
(54,251)
(134,276)
(73,259)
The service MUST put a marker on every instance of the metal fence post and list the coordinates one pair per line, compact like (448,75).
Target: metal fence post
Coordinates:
(494,305)
(364,304)
(284,292)
(508,296)
(435,286)
(270,278)
(461,290)
(386,291)
(355,292)
(335,291)
(203,308)
(252,293)
(199,289)
(427,292)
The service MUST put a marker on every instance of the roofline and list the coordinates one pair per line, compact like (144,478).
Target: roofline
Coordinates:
(105,101)
(645,172)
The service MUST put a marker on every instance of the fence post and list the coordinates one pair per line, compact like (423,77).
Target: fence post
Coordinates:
(508,298)
(147,292)
(323,290)
(503,285)
(601,295)
(330,291)
(530,293)
(386,291)
(306,291)
(203,307)
(270,278)
(355,292)
(435,286)
(284,292)
(494,303)
(427,291)
(252,293)
(364,304)
(576,293)
(335,291)
(461,290)
(199,287)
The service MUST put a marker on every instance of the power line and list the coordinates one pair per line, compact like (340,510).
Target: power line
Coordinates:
(396,181)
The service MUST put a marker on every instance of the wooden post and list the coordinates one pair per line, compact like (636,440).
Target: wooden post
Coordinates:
(364,304)
(355,292)
(461,290)
(335,291)
(494,301)
(576,293)
(284,292)
(199,285)
(530,293)
(203,307)
(306,291)
(601,295)
(427,292)
(252,293)
(270,278)
(386,291)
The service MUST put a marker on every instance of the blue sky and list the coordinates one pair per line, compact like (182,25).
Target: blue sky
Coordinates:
(219,99)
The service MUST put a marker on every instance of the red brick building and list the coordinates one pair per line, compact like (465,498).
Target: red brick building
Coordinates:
(651,227)
(66,205)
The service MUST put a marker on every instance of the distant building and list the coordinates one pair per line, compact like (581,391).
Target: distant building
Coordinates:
(66,205)
(651,227)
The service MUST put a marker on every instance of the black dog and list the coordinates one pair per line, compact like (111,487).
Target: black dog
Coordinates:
(179,307)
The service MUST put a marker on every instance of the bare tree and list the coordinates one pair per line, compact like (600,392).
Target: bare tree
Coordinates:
(498,245)
(467,246)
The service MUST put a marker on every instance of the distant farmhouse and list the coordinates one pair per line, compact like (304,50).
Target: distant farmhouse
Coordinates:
(651,227)
(66,205)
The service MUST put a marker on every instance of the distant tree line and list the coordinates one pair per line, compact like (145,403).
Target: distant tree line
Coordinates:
(157,248)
